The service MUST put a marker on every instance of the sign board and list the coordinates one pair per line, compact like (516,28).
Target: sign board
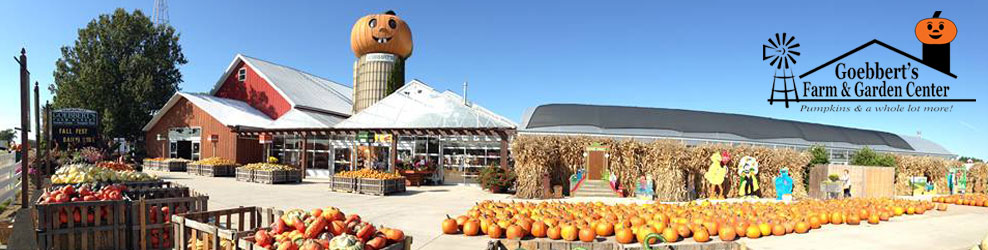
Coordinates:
(184,134)
(265,139)
(214,138)
(365,136)
(383,138)
(75,128)
(379,57)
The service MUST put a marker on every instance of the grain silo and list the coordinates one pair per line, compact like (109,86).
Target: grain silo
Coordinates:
(382,43)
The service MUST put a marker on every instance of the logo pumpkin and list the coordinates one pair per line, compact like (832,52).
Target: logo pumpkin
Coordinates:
(936,30)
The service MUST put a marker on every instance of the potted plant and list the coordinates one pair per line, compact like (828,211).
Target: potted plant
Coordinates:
(497,179)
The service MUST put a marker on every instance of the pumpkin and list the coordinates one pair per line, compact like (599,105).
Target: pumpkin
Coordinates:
(376,243)
(815,222)
(802,227)
(587,235)
(873,219)
(604,229)
(570,232)
(555,233)
(345,242)
(936,30)
(668,235)
(836,218)
(460,220)
(941,207)
(381,33)
(515,232)
(701,235)
(753,232)
(261,238)
(853,219)
(684,231)
(765,229)
(727,233)
(883,216)
(495,231)
(778,230)
(449,226)
(395,235)
(624,236)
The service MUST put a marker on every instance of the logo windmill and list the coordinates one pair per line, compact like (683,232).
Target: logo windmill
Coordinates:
(780,54)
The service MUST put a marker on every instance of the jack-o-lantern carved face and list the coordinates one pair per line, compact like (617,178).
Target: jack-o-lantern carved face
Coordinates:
(381,33)
(936,30)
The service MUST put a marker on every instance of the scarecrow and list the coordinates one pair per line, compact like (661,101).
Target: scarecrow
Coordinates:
(748,171)
(716,173)
(783,184)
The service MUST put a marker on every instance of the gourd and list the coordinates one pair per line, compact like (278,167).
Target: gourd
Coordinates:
(345,242)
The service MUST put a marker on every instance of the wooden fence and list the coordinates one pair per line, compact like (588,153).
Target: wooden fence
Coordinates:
(10,180)
(865,181)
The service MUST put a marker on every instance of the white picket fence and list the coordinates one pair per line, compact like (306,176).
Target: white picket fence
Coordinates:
(10,180)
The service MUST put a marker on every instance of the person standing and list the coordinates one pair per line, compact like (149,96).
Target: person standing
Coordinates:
(846,180)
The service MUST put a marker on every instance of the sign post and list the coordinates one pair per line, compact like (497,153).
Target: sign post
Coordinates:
(266,139)
(213,139)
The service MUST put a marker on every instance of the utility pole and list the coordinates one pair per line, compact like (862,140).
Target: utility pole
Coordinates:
(25,126)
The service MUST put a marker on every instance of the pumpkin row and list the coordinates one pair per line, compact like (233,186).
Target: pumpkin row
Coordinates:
(630,223)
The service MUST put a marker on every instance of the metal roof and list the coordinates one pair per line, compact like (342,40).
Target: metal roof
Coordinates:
(711,126)
(416,105)
(230,112)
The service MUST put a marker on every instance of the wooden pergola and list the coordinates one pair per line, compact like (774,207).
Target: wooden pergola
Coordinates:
(503,133)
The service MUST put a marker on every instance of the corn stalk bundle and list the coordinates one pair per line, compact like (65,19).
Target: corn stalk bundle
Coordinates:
(534,158)
(909,166)
(662,160)
(977,178)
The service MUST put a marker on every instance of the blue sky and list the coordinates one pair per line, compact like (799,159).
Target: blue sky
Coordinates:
(520,54)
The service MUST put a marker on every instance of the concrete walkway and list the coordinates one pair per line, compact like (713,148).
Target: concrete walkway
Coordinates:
(420,210)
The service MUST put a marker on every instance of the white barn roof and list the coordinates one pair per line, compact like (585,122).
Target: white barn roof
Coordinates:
(416,105)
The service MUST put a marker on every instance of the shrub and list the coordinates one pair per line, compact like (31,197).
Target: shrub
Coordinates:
(820,155)
(496,177)
(833,177)
(868,157)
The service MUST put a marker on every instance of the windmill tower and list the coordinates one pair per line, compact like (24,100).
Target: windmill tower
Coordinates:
(781,52)
(159,14)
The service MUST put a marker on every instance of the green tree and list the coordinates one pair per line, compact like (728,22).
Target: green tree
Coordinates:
(7,135)
(965,158)
(123,66)
(820,155)
(868,157)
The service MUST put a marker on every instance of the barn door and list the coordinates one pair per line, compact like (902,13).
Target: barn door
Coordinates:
(595,164)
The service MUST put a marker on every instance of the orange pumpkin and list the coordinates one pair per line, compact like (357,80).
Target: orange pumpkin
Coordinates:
(853,219)
(941,207)
(836,218)
(701,235)
(449,226)
(684,231)
(495,231)
(727,233)
(570,233)
(936,30)
(624,236)
(873,219)
(765,229)
(604,229)
(778,230)
(554,233)
(587,235)
(802,227)
(883,216)
(539,229)
(669,235)
(471,228)
(515,232)
(381,33)
(814,222)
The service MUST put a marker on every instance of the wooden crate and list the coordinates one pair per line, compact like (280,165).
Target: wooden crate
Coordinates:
(277,176)
(105,232)
(343,184)
(173,166)
(152,228)
(217,170)
(245,175)
(217,226)
(193,169)
(247,243)
(865,181)
(379,187)
(150,164)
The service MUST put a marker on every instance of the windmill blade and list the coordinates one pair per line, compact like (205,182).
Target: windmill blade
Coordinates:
(787,62)
(790,58)
(777,38)
(790,39)
(776,58)
(794,52)
(783,39)
(774,46)
(793,46)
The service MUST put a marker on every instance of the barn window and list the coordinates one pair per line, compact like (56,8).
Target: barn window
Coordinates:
(242,74)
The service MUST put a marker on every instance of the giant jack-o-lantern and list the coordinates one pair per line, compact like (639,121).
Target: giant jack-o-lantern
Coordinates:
(936,30)
(381,33)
